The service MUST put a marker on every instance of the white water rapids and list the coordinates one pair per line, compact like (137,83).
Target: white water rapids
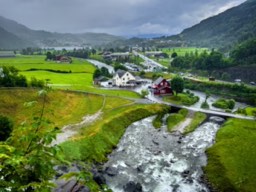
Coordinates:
(160,161)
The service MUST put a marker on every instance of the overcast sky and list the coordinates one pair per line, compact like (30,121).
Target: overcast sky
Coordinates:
(119,17)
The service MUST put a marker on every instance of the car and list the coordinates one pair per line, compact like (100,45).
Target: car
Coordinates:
(252,83)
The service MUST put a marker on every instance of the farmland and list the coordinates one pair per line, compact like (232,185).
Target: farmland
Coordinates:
(182,51)
(75,76)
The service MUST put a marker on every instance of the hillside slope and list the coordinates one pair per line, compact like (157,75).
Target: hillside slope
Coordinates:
(11,41)
(234,25)
(48,39)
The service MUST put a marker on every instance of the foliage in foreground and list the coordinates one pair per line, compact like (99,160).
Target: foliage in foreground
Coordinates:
(231,161)
(6,126)
(27,158)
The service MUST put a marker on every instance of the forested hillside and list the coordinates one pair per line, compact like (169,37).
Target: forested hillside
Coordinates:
(224,30)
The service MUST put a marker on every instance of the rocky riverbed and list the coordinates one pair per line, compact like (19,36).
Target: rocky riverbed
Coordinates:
(151,160)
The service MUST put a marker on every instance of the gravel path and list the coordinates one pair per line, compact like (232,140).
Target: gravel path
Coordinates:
(182,125)
(70,130)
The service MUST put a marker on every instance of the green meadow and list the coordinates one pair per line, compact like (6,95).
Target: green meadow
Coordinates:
(62,107)
(231,161)
(182,51)
(75,76)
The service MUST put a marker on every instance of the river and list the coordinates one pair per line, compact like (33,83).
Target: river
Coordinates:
(151,160)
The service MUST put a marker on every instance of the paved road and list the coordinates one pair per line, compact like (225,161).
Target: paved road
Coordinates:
(148,61)
(100,64)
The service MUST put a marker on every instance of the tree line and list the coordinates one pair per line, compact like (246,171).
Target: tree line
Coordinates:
(10,77)
(242,54)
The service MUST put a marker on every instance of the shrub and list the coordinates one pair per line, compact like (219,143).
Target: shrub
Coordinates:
(6,126)
(224,104)
(158,121)
(205,105)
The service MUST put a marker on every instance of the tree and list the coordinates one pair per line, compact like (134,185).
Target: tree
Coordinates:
(174,54)
(177,84)
(48,56)
(144,93)
(9,77)
(5,128)
(97,73)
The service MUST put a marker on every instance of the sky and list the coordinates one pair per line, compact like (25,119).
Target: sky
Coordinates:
(117,17)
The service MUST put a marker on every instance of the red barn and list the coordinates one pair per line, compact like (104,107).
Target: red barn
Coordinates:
(161,87)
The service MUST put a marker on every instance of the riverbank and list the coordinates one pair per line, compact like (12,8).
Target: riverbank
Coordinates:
(231,161)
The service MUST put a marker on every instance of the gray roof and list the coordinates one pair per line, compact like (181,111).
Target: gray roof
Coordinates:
(159,80)
(120,73)
(7,54)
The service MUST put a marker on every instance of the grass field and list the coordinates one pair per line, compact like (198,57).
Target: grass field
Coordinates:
(197,119)
(62,107)
(182,51)
(175,118)
(80,78)
(181,99)
(38,62)
(93,143)
(231,161)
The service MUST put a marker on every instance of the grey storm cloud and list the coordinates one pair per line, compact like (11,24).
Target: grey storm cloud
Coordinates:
(120,17)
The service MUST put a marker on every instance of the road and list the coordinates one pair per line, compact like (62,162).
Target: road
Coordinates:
(148,62)
(100,64)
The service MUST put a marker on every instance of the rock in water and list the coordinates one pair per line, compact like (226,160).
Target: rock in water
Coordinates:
(132,187)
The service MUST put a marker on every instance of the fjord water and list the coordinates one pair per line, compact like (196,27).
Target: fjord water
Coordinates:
(159,161)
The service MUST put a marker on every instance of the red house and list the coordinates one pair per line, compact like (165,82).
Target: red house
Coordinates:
(161,87)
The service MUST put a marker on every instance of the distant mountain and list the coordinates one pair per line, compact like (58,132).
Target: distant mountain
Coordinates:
(42,38)
(234,25)
(11,41)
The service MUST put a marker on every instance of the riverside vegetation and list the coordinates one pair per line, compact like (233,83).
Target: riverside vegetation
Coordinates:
(231,161)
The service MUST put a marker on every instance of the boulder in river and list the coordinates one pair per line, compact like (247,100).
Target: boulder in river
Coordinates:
(99,178)
(111,171)
(132,187)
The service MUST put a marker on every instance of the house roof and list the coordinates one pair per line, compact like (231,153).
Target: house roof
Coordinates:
(120,72)
(159,80)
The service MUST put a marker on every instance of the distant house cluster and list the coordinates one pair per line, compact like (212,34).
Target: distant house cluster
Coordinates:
(115,56)
(4,54)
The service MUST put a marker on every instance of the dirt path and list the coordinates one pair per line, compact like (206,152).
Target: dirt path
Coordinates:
(70,130)
(182,125)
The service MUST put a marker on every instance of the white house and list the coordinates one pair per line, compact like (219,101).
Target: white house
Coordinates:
(123,78)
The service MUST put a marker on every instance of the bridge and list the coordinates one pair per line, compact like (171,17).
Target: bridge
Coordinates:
(210,112)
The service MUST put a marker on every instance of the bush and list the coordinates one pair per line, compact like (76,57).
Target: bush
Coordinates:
(224,104)
(205,105)
(36,83)
(5,128)
(158,121)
